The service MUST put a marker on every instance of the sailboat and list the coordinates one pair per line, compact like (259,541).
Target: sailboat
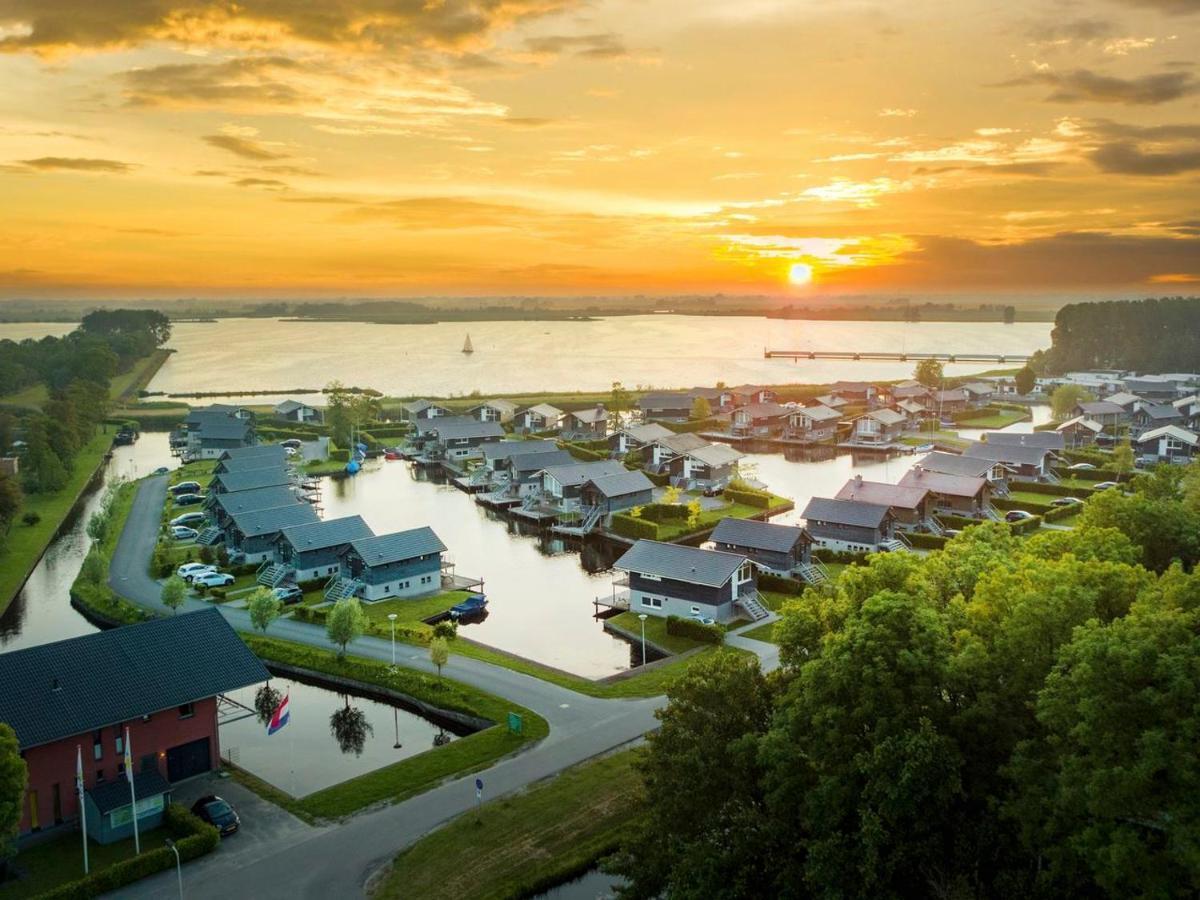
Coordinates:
(467,348)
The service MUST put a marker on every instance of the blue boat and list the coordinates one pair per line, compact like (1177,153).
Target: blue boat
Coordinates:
(473,605)
(352,467)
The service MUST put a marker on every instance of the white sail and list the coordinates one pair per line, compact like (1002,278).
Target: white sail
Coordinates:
(467,348)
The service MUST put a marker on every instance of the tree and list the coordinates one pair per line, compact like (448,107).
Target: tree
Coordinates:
(92,569)
(1123,457)
(928,372)
(701,409)
(670,495)
(1026,380)
(695,508)
(11,498)
(264,608)
(1065,398)
(14,777)
(618,403)
(447,630)
(439,653)
(345,623)
(1010,315)
(338,414)
(350,728)
(174,592)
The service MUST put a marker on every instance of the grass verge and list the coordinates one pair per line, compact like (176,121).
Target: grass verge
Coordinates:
(45,866)
(656,632)
(99,597)
(520,845)
(762,633)
(418,773)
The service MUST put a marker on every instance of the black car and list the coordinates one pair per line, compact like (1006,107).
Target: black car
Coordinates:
(1066,501)
(188,499)
(216,812)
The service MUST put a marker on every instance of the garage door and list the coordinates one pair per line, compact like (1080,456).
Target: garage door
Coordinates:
(188,759)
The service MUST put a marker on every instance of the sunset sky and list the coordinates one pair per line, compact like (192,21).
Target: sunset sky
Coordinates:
(164,148)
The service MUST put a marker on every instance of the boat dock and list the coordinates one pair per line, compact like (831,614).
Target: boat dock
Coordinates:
(896,356)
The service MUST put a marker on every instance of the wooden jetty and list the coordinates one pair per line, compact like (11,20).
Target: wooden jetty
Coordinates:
(895,356)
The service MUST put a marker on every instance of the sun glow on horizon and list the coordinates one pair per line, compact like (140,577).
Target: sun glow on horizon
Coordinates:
(800,274)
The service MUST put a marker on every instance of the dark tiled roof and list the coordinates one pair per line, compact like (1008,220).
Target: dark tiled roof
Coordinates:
(454,431)
(1161,411)
(845,512)
(667,400)
(398,546)
(259,522)
(110,795)
(578,473)
(680,563)
(327,533)
(505,449)
(1014,454)
(259,498)
(622,484)
(250,463)
(1100,408)
(757,535)
(233,482)
(114,676)
(1050,440)
(953,464)
(223,429)
(892,495)
(532,462)
(257,450)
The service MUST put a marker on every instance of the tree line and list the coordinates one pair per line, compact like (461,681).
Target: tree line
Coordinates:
(1154,335)
(1008,717)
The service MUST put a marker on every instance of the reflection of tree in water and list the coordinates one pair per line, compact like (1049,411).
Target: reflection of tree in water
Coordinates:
(266,700)
(350,728)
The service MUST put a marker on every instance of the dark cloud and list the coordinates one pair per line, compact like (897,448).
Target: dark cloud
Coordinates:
(1022,168)
(596,46)
(1171,7)
(84,24)
(1106,128)
(269,183)
(249,80)
(1129,158)
(76,164)
(1086,86)
(245,147)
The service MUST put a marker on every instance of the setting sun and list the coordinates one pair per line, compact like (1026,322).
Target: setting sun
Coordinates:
(800,273)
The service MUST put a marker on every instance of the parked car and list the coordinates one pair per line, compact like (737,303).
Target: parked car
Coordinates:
(161,470)
(1066,501)
(290,451)
(188,571)
(473,605)
(213,579)
(189,519)
(1017,515)
(1104,485)
(1081,467)
(702,619)
(291,443)
(186,487)
(288,594)
(216,812)
(188,499)
(183,533)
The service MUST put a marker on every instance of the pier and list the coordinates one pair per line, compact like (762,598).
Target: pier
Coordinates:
(896,357)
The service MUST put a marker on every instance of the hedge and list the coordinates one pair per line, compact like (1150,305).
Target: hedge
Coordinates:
(1057,490)
(578,451)
(1026,525)
(1095,474)
(697,631)
(960,522)
(1007,503)
(749,498)
(780,585)
(1062,512)
(659,479)
(627,526)
(847,557)
(927,541)
(193,839)
(664,512)
(339,455)
(693,427)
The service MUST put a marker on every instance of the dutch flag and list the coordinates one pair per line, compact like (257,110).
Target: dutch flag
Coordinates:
(279,718)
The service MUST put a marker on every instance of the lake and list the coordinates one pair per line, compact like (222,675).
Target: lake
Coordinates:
(512,357)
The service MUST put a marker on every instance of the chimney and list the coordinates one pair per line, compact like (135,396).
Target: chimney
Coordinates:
(858,478)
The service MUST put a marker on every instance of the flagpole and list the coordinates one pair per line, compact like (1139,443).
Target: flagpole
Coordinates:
(137,844)
(82,805)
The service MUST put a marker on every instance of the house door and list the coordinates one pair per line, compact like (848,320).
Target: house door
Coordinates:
(188,759)
(34,823)
(56,795)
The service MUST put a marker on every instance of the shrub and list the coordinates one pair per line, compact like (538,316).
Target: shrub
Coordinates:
(339,455)
(927,541)
(1007,503)
(1057,490)
(848,557)
(1025,526)
(627,526)
(693,427)
(31,518)
(696,631)
(580,452)
(217,594)
(760,499)
(664,512)
(1062,512)
(780,585)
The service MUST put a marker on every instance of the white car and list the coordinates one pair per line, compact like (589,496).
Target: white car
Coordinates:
(213,579)
(290,451)
(1104,485)
(189,519)
(183,533)
(291,444)
(188,571)
(702,619)
(1080,467)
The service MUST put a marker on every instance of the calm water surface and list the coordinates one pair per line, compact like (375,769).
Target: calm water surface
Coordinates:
(19,331)
(305,756)
(659,351)
(591,885)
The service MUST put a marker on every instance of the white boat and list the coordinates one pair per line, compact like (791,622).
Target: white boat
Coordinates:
(467,348)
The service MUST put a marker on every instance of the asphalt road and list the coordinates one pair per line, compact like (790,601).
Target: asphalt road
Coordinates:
(335,861)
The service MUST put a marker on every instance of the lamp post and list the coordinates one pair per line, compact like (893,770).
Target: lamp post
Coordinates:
(392,619)
(396,721)
(642,616)
(178,865)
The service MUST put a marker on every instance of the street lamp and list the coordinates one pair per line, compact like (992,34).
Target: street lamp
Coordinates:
(392,619)
(642,616)
(178,865)
(396,720)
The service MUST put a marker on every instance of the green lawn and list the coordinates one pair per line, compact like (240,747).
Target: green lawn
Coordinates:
(519,846)
(44,867)
(418,773)
(762,633)
(25,544)
(928,437)
(125,387)
(669,531)
(656,632)
(418,609)
(1000,419)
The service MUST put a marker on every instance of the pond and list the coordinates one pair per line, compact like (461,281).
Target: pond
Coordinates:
(591,885)
(42,611)
(316,750)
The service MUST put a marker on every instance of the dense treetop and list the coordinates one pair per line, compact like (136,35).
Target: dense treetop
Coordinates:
(1160,335)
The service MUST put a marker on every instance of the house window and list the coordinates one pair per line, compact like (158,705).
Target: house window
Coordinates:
(649,577)
(97,745)
(120,739)
(652,602)
(187,710)
(695,609)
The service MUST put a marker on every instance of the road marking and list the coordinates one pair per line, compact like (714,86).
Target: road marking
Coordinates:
(564,706)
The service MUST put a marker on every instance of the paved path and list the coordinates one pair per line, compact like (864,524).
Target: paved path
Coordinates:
(335,861)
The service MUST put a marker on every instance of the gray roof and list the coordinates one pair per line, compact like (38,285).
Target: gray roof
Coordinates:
(59,690)
(222,429)
(758,535)
(274,519)
(621,484)
(716,454)
(246,464)
(1170,431)
(455,431)
(505,449)
(667,400)
(417,406)
(398,546)
(110,795)
(233,482)
(680,563)
(1166,412)
(599,414)
(891,495)
(1082,422)
(818,413)
(578,473)
(424,426)
(328,533)
(259,498)
(885,416)
(941,483)
(258,450)
(1015,454)
(953,464)
(1050,440)
(1100,408)
(764,410)
(845,512)
(682,443)
(949,396)
(1123,398)
(651,431)
(288,406)
(532,462)
(856,387)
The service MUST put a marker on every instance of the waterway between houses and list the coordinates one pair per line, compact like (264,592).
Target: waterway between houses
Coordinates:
(540,589)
